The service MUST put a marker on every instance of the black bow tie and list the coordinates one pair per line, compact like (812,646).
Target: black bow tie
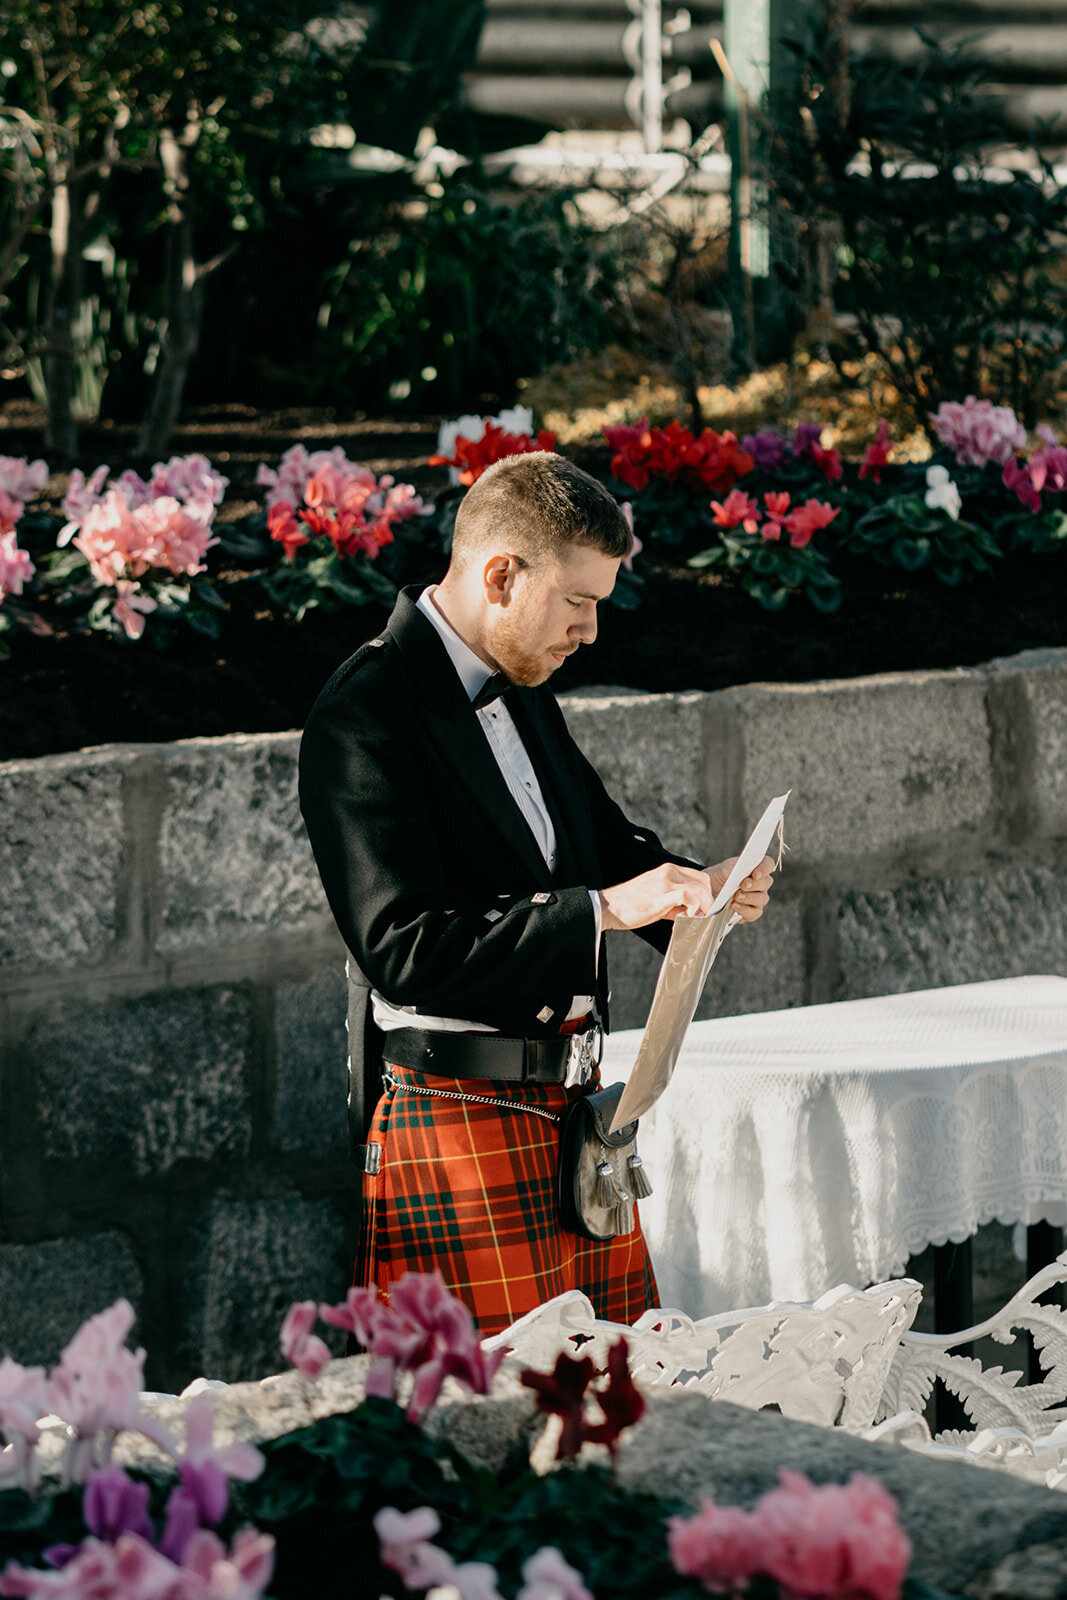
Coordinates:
(493,687)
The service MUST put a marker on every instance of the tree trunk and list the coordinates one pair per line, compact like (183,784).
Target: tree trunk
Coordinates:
(184,300)
(64,298)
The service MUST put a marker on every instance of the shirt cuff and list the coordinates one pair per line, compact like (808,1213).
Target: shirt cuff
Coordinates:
(594,895)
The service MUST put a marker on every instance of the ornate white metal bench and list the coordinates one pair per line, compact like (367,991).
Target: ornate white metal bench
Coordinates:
(849,1360)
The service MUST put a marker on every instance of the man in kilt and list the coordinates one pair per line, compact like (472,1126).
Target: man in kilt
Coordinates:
(473,861)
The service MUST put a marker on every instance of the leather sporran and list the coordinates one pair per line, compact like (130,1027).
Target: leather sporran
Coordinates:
(600,1173)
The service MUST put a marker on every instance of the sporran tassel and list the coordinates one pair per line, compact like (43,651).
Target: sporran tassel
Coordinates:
(606,1190)
(639,1183)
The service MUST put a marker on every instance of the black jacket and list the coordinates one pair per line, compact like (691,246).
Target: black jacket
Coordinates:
(437,885)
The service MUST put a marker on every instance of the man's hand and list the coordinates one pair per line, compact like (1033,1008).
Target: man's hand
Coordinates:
(753,892)
(671,891)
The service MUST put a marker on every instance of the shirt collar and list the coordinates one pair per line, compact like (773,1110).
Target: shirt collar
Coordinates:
(472,670)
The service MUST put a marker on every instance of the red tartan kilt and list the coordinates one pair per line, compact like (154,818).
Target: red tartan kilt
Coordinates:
(469,1189)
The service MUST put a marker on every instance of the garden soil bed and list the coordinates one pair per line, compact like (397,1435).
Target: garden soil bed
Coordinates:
(692,631)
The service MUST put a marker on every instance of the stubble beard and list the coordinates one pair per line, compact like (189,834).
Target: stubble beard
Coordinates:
(517,663)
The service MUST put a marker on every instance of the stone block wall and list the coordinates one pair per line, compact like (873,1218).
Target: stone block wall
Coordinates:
(172,1048)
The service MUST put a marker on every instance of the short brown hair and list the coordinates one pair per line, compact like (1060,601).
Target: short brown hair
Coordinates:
(538,504)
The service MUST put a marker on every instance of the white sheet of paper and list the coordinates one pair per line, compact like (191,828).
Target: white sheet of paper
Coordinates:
(695,942)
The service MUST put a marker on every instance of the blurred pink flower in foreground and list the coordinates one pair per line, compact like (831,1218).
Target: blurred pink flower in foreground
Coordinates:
(19,478)
(300,1346)
(423,1330)
(96,1390)
(838,1542)
(406,1548)
(130,1569)
(22,1403)
(978,431)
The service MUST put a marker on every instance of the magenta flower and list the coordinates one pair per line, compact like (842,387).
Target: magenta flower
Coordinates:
(113,1505)
(201,1498)
(806,438)
(300,1347)
(877,453)
(768,449)
(96,1390)
(424,1330)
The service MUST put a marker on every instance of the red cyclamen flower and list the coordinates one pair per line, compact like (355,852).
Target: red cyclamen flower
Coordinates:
(738,510)
(877,453)
(777,513)
(807,519)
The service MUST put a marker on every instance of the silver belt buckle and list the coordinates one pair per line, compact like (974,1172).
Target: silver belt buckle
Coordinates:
(584,1054)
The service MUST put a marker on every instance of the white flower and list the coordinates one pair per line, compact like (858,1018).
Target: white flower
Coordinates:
(518,420)
(942,493)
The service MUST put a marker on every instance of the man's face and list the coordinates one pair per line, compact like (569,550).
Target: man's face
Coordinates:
(547,612)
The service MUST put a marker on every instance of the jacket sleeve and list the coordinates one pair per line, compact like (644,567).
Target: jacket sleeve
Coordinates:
(372,832)
(626,849)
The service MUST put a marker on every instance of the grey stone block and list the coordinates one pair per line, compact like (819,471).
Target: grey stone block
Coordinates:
(961,1521)
(255,1258)
(874,764)
(1036,680)
(759,968)
(648,749)
(931,933)
(48,1290)
(234,856)
(61,851)
(312,1062)
(145,1083)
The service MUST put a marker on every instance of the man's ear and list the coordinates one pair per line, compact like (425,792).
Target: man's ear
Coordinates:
(498,578)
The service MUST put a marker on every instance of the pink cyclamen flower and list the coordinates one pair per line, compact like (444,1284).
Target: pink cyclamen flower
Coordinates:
(202,1496)
(23,1399)
(10,512)
(22,479)
(240,1573)
(627,510)
(978,431)
(406,1546)
(548,1577)
(721,1546)
(777,514)
(840,1541)
(131,607)
(738,510)
(129,1569)
(96,1390)
(808,519)
(82,494)
(303,1349)
(16,568)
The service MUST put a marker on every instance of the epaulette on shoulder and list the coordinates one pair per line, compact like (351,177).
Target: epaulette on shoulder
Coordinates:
(366,652)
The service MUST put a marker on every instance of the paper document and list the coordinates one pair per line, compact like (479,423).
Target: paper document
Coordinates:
(695,942)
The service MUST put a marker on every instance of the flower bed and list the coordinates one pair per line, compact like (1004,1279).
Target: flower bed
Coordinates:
(917,564)
(371,1493)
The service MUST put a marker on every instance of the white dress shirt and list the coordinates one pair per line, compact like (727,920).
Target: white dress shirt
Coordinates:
(510,755)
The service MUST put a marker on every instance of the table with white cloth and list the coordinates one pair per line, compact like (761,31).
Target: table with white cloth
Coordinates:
(795,1150)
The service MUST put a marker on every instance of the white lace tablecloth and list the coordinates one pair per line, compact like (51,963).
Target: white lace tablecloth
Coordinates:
(795,1150)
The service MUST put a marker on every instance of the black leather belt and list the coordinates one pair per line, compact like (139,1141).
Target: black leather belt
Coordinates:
(491,1055)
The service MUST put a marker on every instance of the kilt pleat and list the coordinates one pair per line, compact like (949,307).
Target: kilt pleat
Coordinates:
(468,1188)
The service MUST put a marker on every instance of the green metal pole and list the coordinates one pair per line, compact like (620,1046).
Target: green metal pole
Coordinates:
(759,73)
